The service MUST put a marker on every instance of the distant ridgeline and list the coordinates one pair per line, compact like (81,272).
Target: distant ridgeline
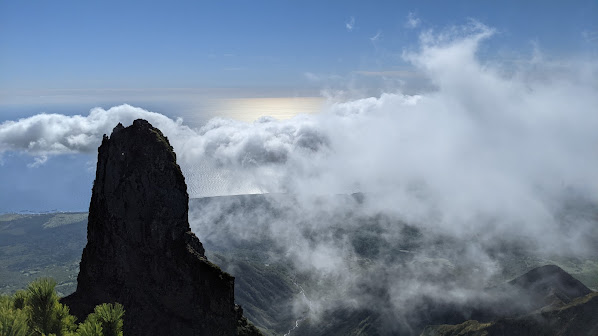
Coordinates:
(142,254)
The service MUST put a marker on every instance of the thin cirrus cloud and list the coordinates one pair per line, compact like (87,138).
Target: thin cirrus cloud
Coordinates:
(590,36)
(349,25)
(376,37)
(392,73)
(412,21)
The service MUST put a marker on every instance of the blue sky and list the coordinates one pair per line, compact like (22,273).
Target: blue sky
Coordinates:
(266,44)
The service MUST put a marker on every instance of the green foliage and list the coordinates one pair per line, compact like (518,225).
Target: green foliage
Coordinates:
(32,249)
(90,328)
(110,317)
(37,312)
(19,299)
(245,328)
(47,315)
(13,322)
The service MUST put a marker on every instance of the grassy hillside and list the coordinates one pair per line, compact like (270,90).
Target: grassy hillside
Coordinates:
(577,318)
(41,245)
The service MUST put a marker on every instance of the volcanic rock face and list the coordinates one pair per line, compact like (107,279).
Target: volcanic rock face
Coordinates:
(140,250)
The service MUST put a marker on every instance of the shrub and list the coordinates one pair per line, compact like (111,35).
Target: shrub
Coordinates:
(37,311)
(13,322)
(47,315)
(110,316)
(89,328)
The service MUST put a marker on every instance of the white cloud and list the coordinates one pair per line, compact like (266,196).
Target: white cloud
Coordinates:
(590,36)
(391,73)
(350,24)
(497,127)
(38,161)
(50,134)
(376,37)
(412,21)
(312,76)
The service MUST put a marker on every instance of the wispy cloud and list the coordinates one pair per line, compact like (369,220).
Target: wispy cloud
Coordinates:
(412,21)
(350,24)
(390,73)
(38,161)
(312,76)
(376,37)
(590,36)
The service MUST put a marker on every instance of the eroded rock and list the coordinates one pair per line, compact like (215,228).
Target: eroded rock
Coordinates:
(140,250)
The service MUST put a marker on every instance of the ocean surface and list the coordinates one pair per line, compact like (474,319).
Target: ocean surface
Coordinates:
(195,106)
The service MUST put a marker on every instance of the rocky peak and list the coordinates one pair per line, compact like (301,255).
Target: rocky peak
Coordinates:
(141,187)
(140,250)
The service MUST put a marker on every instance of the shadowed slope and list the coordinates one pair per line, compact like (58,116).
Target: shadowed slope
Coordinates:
(556,304)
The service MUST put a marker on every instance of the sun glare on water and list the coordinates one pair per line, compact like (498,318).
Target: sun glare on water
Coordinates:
(251,109)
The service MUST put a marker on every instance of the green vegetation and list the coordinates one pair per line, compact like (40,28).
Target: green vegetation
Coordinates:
(36,311)
(469,328)
(41,245)
(109,317)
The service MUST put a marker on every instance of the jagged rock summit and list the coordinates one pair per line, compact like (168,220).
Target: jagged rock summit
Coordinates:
(140,249)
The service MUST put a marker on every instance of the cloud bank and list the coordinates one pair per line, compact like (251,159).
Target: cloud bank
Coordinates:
(488,137)
(53,134)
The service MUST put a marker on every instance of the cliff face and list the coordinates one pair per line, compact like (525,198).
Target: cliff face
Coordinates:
(140,250)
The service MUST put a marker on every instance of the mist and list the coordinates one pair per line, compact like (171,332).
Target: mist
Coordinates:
(492,157)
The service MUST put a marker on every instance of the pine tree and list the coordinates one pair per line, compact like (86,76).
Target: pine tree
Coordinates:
(37,312)
(13,321)
(90,328)
(47,315)
(110,316)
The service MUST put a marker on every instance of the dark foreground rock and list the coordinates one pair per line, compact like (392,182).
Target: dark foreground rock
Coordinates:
(140,250)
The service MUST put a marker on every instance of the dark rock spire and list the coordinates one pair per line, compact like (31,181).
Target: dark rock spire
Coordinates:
(140,250)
